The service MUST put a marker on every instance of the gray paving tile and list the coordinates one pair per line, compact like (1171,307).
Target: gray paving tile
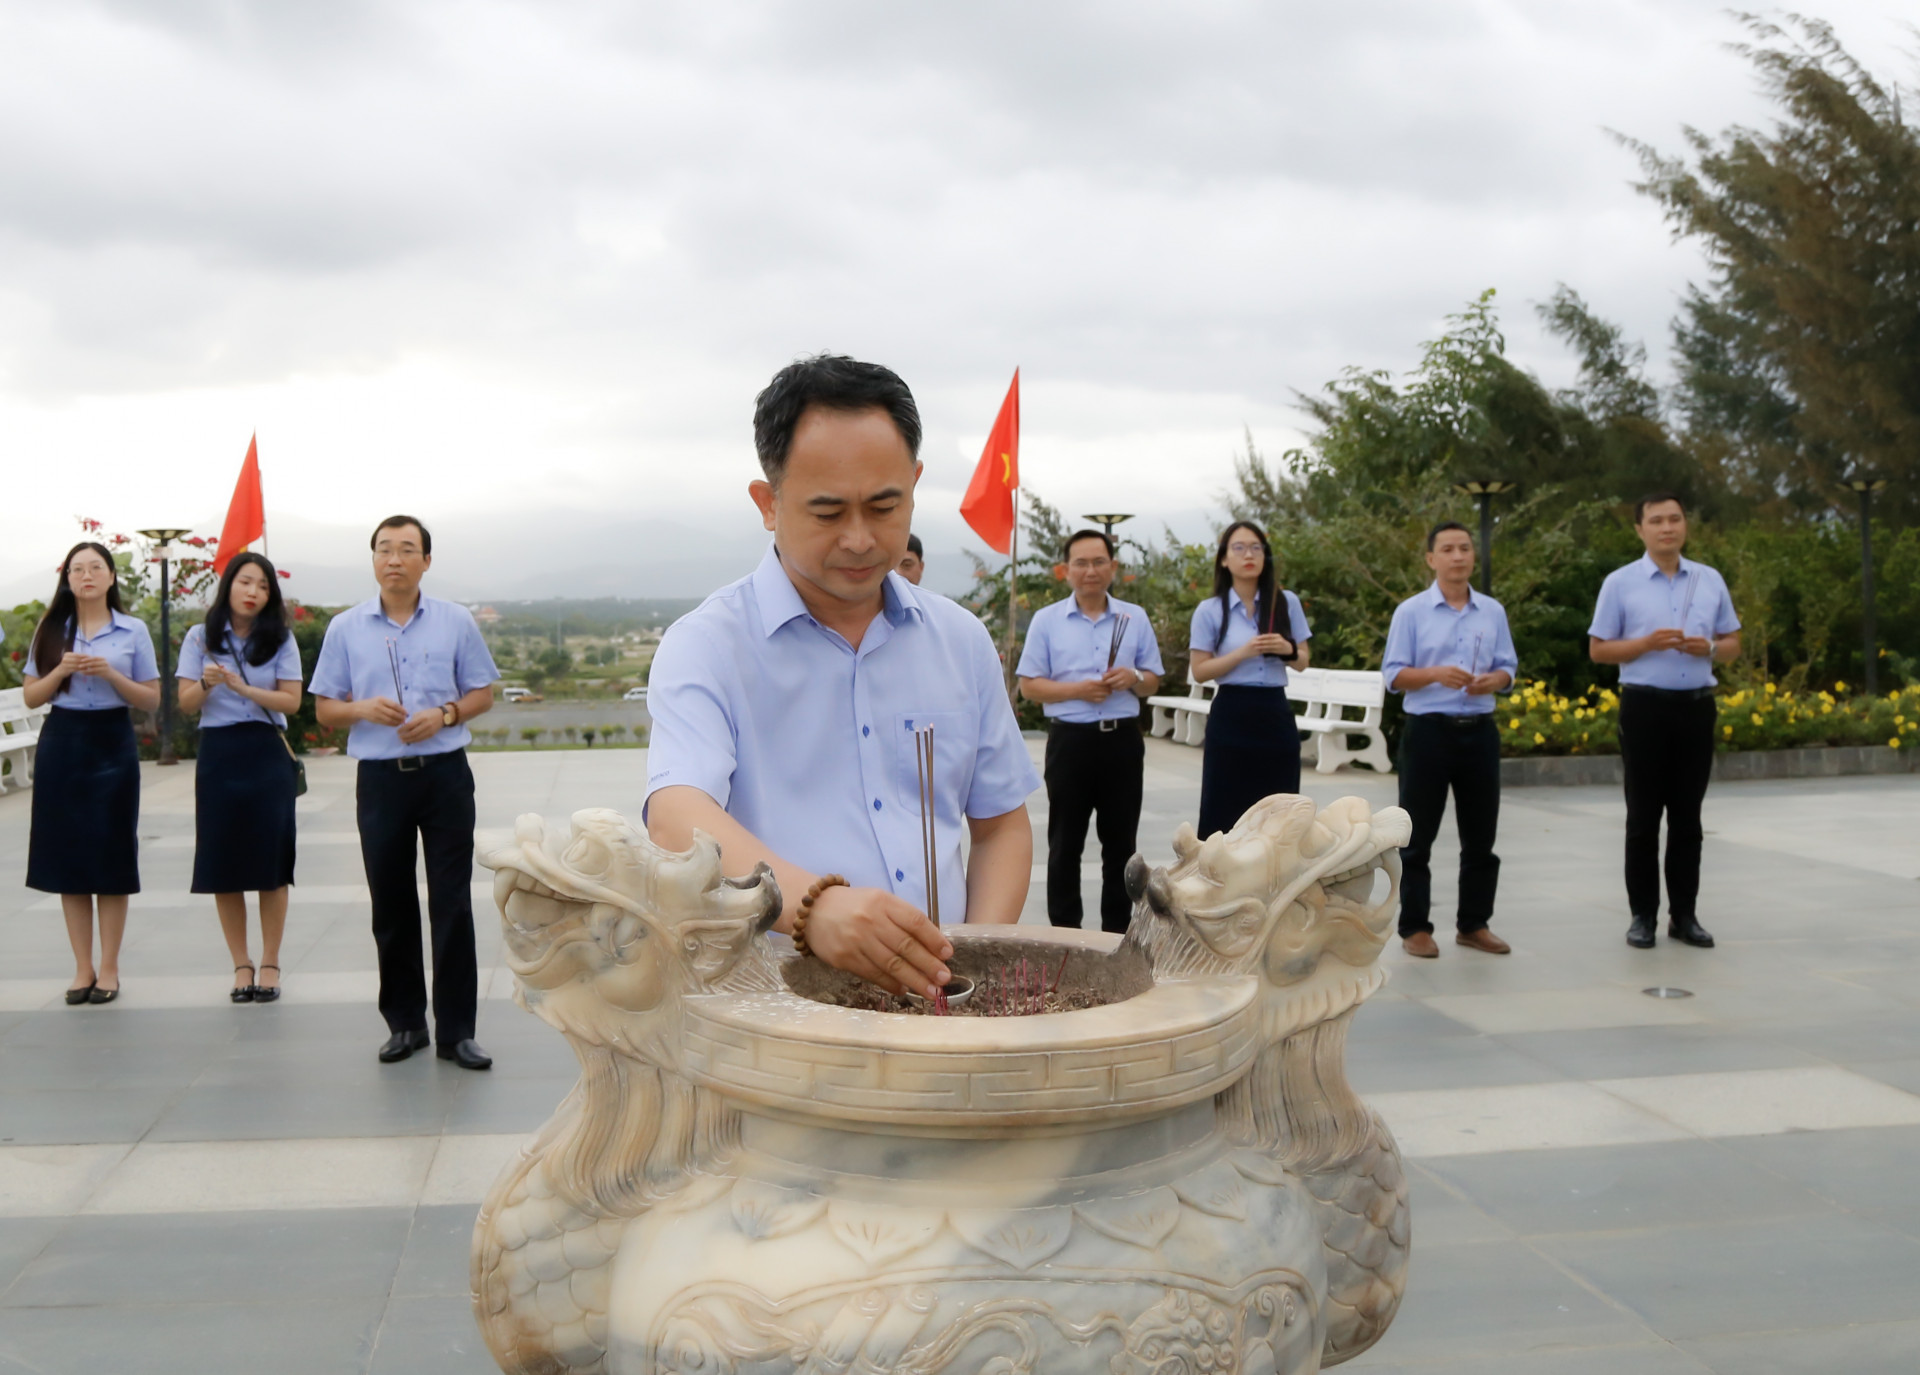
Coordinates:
(127,1065)
(1631,1051)
(1868,1170)
(1879,1348)
(288,1337)
(241,1258)
(1902,1074)
(120,1024)
(21,1239)
(434,1263)
(1442,1217)
(1444,1062)
(1748,1276)
(1499,1298)
(487,1105)
(60,1117)
(430,1336)
(1614,1188)
(1886,1035)
(405,1104)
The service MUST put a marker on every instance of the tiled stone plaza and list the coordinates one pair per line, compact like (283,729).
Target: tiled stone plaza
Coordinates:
(1603,1182)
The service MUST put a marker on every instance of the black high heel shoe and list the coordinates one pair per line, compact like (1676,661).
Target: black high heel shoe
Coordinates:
(246,992)
(267,995)
(78,996)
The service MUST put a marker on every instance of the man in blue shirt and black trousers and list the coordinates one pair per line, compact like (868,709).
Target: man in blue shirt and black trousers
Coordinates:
(1089,660)
(1449,650)
(1666,621)
(403,673)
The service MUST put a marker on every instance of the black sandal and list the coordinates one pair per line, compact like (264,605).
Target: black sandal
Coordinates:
(78,996)
(246,992)
(267,995)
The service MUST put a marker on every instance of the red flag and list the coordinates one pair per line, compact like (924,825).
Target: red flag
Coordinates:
(988,504)
(246,514)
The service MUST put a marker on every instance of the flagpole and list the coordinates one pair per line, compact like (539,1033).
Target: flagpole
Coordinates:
(1013,586)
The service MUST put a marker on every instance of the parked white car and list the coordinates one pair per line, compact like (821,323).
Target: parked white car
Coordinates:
(634,694)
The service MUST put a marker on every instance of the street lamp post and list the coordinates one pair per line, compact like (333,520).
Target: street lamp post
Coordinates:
(1106,522)
(163,553)
(1866,487)
(1484,491)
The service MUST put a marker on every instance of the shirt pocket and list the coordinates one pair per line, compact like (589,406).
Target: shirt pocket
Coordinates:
(956,742)
(430,684)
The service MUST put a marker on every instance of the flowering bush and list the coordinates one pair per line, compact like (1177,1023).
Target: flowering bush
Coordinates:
(1536,720)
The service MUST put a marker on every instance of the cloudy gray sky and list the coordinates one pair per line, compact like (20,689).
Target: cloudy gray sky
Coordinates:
(521,267)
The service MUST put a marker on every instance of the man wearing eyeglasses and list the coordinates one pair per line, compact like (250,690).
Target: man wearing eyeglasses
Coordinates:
(402,674)
(1089,660)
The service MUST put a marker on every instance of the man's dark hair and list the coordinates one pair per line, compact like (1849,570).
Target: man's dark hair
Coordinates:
(395,522)
(913,548)
(1066,549)
(838,383)
(1655,499)
(1445,525)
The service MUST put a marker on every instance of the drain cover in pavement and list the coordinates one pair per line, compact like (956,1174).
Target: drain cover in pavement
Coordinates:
(1665,992)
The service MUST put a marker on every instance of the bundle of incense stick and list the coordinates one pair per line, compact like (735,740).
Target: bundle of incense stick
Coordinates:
(1119,634)
(929,851)
(1473,669)
(393,662)
(1686,604)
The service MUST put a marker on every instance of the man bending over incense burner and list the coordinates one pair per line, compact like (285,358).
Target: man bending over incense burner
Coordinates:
(788,710)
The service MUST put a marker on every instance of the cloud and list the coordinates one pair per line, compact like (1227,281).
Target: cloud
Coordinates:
(484,256)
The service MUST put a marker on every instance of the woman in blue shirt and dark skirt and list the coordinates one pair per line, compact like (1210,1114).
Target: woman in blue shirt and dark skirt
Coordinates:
(1246,635)
(240,669)
(91,661)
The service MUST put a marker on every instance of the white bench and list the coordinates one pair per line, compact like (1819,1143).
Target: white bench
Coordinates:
(19,738)
(1326,728)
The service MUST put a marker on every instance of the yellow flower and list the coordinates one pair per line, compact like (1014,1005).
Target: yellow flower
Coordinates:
(1513,723)
(1771,689)
(1827,710)
(1556,718)
(1899,720)
(1756,718)
(1540,739)
(1895,742)
(1839,687)
(1728,730)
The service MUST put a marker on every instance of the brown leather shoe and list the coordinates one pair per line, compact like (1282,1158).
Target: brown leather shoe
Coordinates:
(1421,944)
(1484,939)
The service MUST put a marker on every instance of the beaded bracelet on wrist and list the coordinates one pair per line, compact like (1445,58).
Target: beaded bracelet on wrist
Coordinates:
(820,886)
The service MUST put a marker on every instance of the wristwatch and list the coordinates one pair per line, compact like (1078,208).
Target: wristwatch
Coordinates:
(450,714)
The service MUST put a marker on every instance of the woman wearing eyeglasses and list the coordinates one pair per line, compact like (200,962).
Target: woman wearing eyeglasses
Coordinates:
(240,669)
(92,661)
(1245,636)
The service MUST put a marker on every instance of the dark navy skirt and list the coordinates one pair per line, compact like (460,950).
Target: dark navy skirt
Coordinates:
(1252,751)
(243,810)
(86,804)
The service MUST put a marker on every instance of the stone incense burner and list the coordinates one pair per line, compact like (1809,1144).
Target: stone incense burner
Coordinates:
(747,1180)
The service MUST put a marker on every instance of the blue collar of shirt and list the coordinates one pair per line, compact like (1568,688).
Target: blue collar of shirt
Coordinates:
(1435,597)
(1653,569)
(116,620)
(779,600)
(378,610)
(1073,609)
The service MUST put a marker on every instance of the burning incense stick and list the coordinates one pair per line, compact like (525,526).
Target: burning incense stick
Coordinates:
(1119,634)
(929,851)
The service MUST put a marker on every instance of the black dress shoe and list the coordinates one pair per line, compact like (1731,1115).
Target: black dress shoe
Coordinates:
(402,1044)
(77,997)
(466,1054)
(1640,934)
(106,995)
(1690,931)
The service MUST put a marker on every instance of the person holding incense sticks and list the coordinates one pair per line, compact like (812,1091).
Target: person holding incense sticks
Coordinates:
(403,674)
(1245,636)
(1665,620)
(240,670)
(1449,650)
(791,708)
(1089,660)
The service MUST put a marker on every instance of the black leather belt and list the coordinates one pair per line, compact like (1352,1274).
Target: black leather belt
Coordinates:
(1670,694)
(1444,718)
(1106,727)
(409,763)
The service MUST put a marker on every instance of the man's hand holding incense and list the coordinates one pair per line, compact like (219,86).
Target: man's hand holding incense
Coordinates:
(884,939)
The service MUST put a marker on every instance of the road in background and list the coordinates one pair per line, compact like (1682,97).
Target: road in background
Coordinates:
(552,715)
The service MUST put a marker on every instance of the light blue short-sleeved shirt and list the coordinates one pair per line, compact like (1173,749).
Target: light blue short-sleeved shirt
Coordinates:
(224,706)
(1427,632)
(1065,647)
(1639,599)
(809,743)
(126,644)
(1260,670)
(441,655)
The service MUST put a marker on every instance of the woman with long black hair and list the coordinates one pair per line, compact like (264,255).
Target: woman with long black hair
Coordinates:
(1246,635)
(92,662)
(240,669)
